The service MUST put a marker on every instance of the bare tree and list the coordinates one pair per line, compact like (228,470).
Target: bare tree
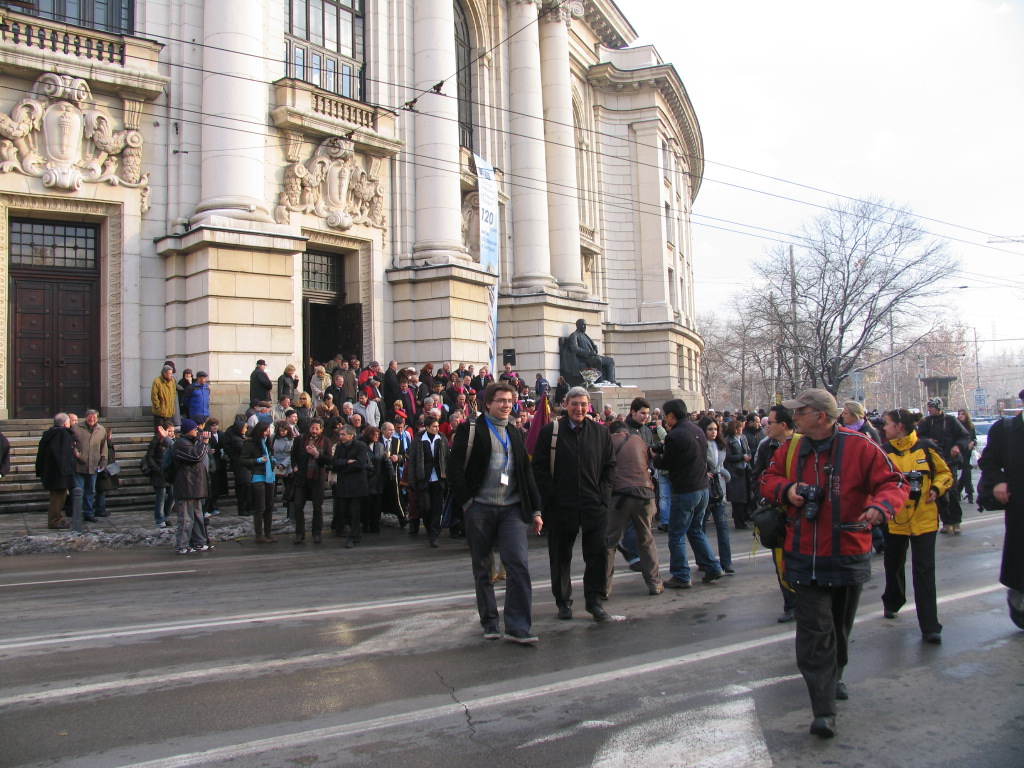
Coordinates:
(862,267)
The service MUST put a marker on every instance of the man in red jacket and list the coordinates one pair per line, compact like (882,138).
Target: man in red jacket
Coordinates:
(835,485)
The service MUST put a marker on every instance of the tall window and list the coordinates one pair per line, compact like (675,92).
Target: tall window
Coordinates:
(464,79)
(116,16)
(325,45)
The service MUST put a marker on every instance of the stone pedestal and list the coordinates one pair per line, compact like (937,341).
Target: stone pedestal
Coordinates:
(619,398)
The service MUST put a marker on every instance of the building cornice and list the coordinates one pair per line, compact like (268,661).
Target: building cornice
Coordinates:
(608,23)
(665,79)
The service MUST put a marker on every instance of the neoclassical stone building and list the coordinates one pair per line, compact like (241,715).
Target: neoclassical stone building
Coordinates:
(221,180)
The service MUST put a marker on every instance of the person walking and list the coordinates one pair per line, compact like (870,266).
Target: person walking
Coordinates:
(953,440)
(574,467)
(492,480)
(965,483)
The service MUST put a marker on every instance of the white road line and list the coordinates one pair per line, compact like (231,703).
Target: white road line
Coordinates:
(304,739)
(98,578)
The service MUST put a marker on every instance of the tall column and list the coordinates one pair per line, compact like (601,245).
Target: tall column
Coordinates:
(560,146)
(438,196)
(235,108)
(528,178)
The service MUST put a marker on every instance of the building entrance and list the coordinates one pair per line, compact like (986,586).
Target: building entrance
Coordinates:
(54,278)
(330,324)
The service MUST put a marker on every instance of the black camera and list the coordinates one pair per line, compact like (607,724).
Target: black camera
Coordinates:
(812,497)
(914,481)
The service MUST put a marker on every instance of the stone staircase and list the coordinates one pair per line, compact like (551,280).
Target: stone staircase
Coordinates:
(21,491)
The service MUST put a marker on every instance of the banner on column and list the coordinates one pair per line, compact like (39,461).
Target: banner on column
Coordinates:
(489,255)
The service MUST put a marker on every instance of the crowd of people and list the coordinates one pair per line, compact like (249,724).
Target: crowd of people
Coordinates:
(494,460)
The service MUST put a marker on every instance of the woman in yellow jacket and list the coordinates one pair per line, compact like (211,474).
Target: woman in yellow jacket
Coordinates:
(915,525)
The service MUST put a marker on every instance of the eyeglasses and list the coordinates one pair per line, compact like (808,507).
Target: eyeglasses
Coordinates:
(804,413)
(502,401)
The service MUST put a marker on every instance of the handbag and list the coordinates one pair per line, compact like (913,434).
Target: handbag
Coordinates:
(145,468)
(715,489)
(769,525)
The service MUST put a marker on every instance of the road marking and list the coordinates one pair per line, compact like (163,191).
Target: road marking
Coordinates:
(98,578)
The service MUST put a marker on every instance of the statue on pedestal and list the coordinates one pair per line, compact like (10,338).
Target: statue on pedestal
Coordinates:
(579,352)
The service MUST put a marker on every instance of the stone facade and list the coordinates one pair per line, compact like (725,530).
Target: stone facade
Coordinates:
(243,206)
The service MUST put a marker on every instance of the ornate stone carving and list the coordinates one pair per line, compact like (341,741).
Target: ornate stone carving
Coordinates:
(60,135)
(471,224)
(564,12)
(335,185)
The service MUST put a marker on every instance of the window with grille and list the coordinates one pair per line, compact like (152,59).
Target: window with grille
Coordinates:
(464,78)
(114,16)
(322,272)
(325,45)
(35,243)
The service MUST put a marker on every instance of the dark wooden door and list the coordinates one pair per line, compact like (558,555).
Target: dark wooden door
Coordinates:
(56,349)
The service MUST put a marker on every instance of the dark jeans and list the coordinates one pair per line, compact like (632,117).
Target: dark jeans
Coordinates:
(686,523)
(595,559)
(721,519)
(163,501)
(824,619)
(371,513)
(485,525)
(263,507)
(347,510)
(949,508)
(922,569)
(308,490)
(966,483)
(430,501)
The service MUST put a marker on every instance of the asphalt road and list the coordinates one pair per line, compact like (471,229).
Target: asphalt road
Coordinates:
(322,656)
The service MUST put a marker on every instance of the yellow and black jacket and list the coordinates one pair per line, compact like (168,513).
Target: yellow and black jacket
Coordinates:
(910,454)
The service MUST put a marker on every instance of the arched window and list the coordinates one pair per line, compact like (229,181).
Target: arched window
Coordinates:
(464,79)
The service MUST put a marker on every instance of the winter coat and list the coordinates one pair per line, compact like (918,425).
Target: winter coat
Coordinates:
(421,461)
(301,460)
(375,470)
(584,473)
(946,431)
(234,441)
(921,516)
(737,490)
(861,478)
(318,385)
(351,462)
(155,459)
(684,457)
(260,385)
(287,386)
(716,466)
(632,466)
(252,452)
(91,448)
(199,401)
(164,396)
(55,459)
(370,413)
(5,455)
(191,480)
(1003,462)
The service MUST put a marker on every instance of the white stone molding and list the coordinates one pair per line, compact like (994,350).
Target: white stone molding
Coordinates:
(335,184)
(60,135)
(113,272)
(562,12)
(471,224)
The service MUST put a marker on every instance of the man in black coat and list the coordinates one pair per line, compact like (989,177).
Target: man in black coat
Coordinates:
(55,467)
(260,385)
(389,387)
(351,462)
(953,439)
(1002,477)
(494,485)
(575,475)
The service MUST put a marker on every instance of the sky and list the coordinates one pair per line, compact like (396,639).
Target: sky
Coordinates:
(919,102)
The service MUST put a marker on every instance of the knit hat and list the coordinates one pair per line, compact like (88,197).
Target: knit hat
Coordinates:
(935,402)
(187,425)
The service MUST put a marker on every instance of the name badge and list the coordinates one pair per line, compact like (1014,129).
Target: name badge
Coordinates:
(504,478)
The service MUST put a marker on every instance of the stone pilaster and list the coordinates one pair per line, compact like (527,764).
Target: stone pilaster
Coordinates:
(560,145)
(528,177)
(235,105)
(436,143)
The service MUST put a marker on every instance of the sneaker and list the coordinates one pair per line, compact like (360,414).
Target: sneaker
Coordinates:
(185,551)
(675,583)
(492,633)
(944,529)
(203,548)
(521,636)
(956,530)
(710,577)
(163,525)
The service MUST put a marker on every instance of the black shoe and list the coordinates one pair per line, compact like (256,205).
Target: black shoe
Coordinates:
(349,544)
(316,538)
(600,614)
(787,617)
(710,577)
(741,526)
(89,518)
(520,636)
(932,638)
(636,567)
(663,528)
(824,726)
(841,693)
(433,542)
(1016,615)
(565,611)
(492,633)
(728,571)
(675,583)
(103,514)
(889,614)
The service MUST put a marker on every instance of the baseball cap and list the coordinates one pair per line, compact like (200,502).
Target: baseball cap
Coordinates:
(818,399)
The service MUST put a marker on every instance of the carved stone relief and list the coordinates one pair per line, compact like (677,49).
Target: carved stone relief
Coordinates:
(335,184)
(60,135)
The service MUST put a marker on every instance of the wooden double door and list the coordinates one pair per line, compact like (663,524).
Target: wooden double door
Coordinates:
(56,350)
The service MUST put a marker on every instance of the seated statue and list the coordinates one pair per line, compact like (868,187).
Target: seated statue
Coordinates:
(582,351)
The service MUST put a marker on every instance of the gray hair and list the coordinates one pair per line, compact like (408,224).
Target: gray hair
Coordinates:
(348,429)
(91,412)
(167,368)
(577,392)
(60,420)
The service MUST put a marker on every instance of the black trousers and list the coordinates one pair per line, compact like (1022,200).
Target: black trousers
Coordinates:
(348,511)
(922,569)
(263,507)
(308,490)
(966,482)
(430,501)
(949,508)
(824,619)
(371,513)
(561,540)
(487,525)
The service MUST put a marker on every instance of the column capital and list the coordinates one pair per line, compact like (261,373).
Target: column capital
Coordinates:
(559,11)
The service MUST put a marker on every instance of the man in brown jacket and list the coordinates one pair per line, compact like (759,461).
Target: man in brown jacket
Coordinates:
(163,395)
(632,500)
(90,459)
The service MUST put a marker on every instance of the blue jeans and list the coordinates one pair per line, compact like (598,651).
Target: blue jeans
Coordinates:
(721,518)
(686,523)
(664,498)
(163,500)
(87,483)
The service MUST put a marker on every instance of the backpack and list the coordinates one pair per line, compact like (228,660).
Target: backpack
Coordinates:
(922,443)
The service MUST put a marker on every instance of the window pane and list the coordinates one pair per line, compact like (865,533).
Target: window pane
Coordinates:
(330,27)
(316,22)
(331,76)
(299,18)
(345,38)
(346,80)
(315,68)
(300,64)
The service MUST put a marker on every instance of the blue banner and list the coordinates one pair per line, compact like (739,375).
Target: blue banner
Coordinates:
(489,254)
